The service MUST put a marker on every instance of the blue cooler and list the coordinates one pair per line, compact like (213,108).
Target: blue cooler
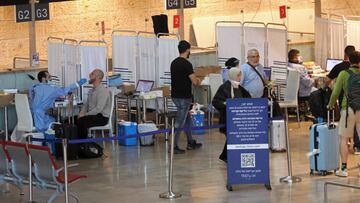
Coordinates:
(127,128)
(50,143)
(198,120)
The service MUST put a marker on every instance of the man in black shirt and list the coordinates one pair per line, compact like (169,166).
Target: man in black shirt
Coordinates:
(182,79)
(334,73)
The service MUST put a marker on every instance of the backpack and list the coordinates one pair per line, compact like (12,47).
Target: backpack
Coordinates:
(353,95)
(90,150)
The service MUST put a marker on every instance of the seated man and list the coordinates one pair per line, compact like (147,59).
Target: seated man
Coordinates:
(96,110)
(42,97)
(306,82)
(253,75)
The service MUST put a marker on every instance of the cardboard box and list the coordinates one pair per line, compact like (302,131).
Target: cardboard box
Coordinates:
(166,90)
(204,71)
(126,88)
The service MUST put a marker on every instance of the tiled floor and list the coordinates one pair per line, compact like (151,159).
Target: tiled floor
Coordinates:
(131,174)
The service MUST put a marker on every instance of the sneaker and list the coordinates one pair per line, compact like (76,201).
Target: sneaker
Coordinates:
(341,173)
(177,150)
(193,145)
(356,151)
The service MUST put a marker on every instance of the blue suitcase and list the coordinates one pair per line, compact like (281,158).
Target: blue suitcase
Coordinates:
(324,148)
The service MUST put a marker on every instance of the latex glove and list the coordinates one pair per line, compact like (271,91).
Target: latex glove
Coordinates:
(82,81)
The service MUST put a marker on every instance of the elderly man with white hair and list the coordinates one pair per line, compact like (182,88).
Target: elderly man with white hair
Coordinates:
(253,75)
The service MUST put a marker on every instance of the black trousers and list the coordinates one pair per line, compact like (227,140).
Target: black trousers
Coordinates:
(86,122)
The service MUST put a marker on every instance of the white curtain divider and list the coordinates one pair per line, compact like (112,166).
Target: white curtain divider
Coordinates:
(353,33)
(321,41)
(229,40)
(255,38)
(71,55)
(56,61)
(336,39)
(167,51)
(124,57)
(276,46)
(147,58)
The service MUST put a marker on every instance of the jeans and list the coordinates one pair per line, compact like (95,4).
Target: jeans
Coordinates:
(86,122)
(183,118)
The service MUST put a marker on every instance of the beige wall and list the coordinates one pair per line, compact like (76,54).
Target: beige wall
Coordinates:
(77,19)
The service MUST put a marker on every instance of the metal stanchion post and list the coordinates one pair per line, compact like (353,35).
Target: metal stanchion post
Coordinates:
(30,174)
(6,123)
(64,143)
(290,178)
(170,194)
(166,116)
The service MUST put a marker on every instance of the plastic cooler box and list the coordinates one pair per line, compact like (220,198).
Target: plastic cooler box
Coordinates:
(198,120)
(127,128)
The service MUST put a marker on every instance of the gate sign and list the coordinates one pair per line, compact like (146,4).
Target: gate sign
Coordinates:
(282,10)
(247,141)
(190,3)
(23,12)
(172,4)
(176,21)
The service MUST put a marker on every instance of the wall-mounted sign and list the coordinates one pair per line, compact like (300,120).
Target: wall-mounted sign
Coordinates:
(172,4)
(176,21)
(282,10)
(190,3)
(23,12)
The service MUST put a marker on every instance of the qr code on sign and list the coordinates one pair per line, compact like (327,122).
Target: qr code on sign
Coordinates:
(248,160)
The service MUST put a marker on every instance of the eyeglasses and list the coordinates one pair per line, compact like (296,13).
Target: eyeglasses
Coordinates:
(257,56)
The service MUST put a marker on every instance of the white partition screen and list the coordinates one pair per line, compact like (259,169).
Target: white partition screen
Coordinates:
(147,58)
(276,46)
(167,51)
(124,57)
(56,62)
(229,40)
(321,41)
(353,33)
(337,39)
(71,55)
(255,38)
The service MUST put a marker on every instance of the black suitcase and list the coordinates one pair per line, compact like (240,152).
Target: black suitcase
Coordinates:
(69,131)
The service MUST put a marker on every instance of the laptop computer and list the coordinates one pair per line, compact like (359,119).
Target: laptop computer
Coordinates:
(144,86)
(331,63)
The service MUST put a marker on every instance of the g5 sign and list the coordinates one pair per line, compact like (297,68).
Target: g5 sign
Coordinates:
(176,4)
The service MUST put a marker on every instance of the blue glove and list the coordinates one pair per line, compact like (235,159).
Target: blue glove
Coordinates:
(82,81)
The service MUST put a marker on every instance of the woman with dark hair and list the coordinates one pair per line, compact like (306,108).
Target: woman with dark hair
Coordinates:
(231,89)
(229,64)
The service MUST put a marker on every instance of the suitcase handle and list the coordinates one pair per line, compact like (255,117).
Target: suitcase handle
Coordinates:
(332,123)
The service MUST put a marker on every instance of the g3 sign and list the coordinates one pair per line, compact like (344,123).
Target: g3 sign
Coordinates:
(23,12)
(172,4)
(189,3)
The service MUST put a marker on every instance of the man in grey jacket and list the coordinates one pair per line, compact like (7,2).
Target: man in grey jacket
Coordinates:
(96,110)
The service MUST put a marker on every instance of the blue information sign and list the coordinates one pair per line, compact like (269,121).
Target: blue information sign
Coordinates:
(247,141)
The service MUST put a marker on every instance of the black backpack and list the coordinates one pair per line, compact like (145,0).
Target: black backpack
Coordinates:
(90,150)
(353,95)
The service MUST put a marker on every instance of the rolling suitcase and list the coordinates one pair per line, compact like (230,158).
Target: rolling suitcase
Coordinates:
(324,147)
(144,128)
(68,131)
(277,135)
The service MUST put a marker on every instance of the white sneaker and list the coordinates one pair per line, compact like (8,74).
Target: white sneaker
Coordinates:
(341,173)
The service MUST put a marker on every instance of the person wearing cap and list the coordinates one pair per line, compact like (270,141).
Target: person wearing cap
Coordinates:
(230,63)
(229,90)
(42,97)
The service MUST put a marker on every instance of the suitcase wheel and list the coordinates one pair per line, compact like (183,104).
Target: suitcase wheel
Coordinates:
(323,173)
(311,172)
(229,187)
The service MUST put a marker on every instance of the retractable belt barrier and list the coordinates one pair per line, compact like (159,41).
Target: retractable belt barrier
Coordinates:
(138,135)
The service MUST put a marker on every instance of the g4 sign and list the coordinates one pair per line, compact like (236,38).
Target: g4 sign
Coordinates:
(172,4)
(190,3)
(23,12)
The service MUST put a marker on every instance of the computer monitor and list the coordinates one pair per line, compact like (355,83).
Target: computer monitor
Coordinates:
(144,85)
(331,63)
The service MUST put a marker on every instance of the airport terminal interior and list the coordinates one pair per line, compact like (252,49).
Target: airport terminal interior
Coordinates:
(209,101)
